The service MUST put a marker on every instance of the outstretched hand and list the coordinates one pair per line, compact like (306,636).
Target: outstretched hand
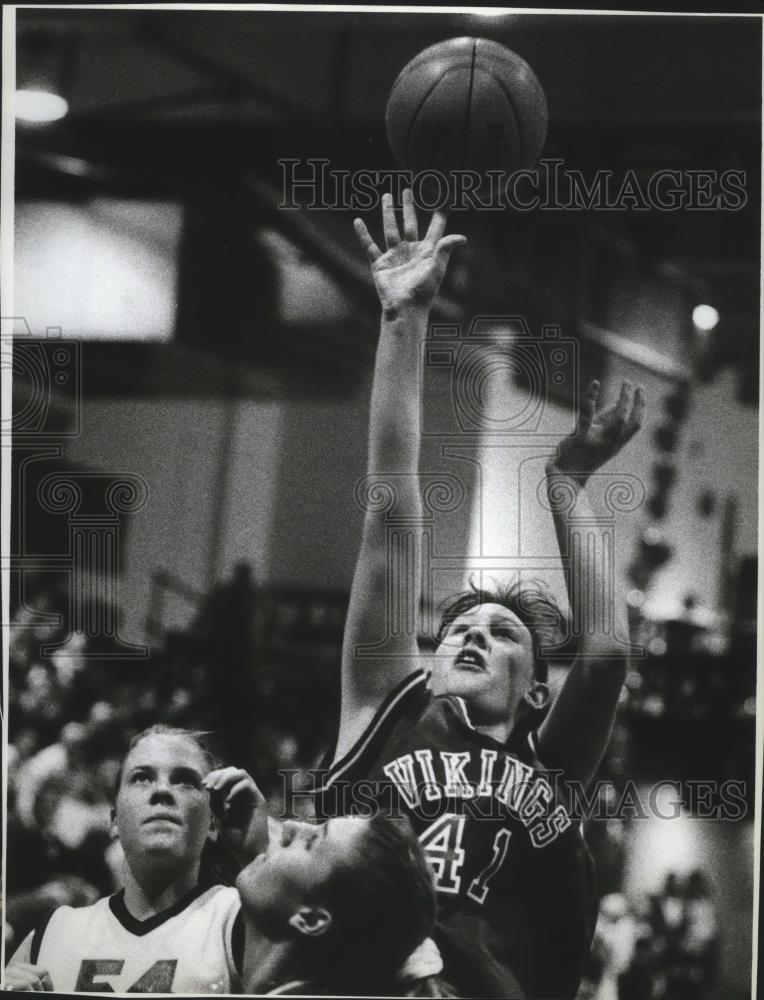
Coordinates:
(601,433)
(240,809)
(411,270)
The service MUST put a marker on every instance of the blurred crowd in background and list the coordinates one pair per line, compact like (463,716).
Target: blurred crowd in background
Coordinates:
(258,671)
(663,945)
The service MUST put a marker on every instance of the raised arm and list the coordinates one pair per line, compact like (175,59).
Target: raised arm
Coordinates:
(574,735)
(407,277)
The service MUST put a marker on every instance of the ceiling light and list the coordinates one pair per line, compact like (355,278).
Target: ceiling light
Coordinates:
(39,106)
(705,317)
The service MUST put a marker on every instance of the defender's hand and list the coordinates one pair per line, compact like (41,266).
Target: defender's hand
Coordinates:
(240,809)
(25,977)
(411,270)
(600,434)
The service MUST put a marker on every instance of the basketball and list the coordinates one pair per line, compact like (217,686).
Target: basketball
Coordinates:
(466,104)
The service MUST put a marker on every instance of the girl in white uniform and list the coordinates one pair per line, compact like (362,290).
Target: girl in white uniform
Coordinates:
(165,930)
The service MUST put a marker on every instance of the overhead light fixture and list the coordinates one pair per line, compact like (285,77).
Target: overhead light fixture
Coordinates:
(490,11)
(705,317)
(45,65)
(39,106)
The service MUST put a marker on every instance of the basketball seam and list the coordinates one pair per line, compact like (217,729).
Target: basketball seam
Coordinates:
(514,112)
(416,114)
(441,78)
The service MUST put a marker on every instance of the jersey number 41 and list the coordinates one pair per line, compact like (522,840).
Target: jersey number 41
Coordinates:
(442,843)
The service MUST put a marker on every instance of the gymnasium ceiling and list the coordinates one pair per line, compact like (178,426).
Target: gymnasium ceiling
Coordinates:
(255,66)
(168,103)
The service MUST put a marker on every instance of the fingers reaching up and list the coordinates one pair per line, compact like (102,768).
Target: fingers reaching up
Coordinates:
(589,406)
(628,411)
(601,432)
(433,238)
(622,407)
(409,270)
(622,419)
(436,228)
(410,224)
(447,243)
(389,223)
(364,238)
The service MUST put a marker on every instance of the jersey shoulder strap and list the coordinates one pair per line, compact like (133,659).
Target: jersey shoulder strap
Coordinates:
(406,701)
(39,933)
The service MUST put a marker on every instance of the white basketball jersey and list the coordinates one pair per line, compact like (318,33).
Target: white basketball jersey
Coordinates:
(103,949)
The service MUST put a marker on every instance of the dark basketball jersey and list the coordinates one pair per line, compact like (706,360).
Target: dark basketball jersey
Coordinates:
(517,902)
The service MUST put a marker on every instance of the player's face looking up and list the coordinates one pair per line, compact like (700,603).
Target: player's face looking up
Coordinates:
(486,657)
(292,875)
(162,812)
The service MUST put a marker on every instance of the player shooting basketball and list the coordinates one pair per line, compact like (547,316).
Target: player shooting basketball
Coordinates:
(470,751)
